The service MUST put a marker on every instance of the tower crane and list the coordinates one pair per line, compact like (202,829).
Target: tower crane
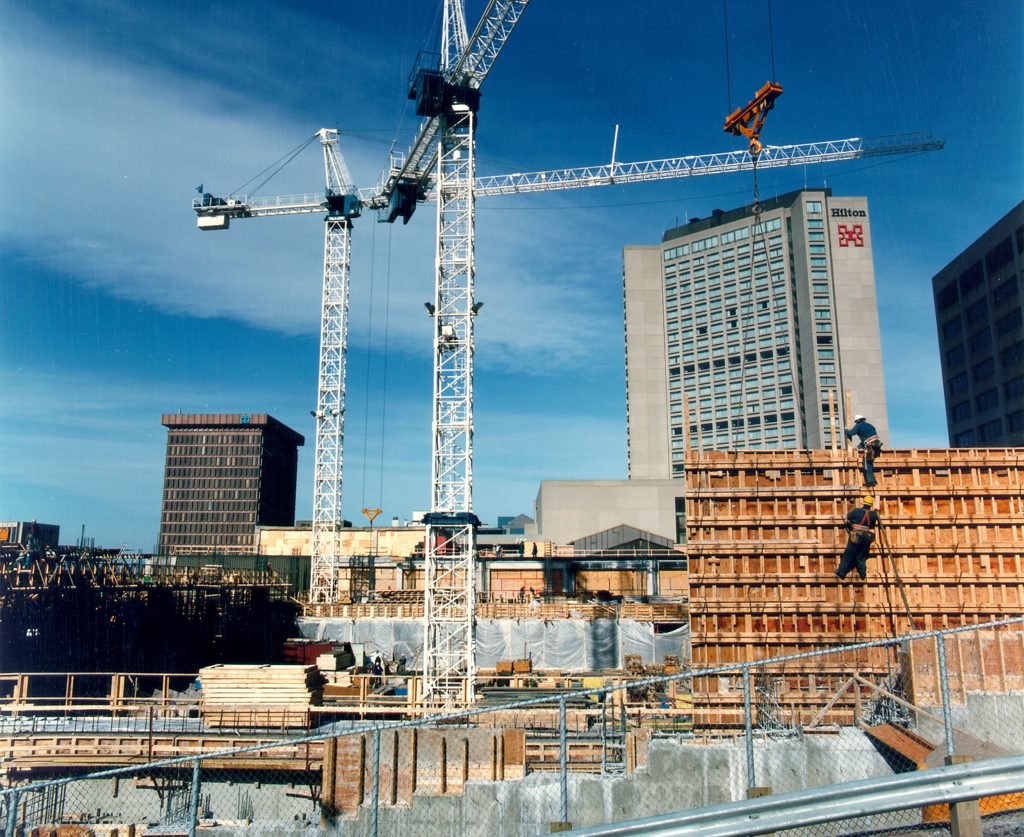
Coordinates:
(341,203)
(440,165)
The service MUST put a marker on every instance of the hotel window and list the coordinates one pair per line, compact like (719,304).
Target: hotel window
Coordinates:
(813,207)
(814,223)
(815,236)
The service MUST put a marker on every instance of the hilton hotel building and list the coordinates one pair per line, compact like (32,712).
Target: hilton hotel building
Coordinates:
(736,333)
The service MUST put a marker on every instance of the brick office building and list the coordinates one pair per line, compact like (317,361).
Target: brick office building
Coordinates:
(226,474)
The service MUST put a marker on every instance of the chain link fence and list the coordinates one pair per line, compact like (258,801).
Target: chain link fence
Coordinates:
(581,757)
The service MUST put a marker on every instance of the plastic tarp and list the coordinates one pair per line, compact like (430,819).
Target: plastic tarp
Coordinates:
(562,645)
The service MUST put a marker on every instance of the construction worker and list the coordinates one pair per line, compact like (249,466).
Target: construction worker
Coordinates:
(860,523)
(870,444)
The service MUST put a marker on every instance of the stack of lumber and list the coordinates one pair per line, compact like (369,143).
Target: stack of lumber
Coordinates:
(398,596)
(259,695)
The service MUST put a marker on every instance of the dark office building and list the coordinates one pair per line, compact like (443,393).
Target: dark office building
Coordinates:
(29,533)
(225,475)
(980,318)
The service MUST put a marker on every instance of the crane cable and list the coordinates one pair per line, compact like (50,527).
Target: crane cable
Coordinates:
(728,95)
(883,541)
(384,389)
(369,351)
(369,356)
(280,162)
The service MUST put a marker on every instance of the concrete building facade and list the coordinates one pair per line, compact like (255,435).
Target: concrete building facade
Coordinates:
(567,510)
(738,332)
(980,318)
(226,474)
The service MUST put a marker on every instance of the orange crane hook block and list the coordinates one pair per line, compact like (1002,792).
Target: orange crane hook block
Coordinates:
(749,119)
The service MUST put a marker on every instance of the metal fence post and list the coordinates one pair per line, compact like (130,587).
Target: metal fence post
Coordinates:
(947,713)
(748,733)
(563,779)
(375,783)
(13,800)
(193,801)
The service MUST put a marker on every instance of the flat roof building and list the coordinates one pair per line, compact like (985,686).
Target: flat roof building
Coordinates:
(226,474)
(980,318)
(29,533)
(738,332)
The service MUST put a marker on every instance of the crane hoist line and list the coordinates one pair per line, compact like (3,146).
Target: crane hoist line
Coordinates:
(440,166)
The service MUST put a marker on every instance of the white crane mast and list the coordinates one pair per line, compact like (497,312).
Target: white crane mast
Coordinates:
(450,552)
(342,205)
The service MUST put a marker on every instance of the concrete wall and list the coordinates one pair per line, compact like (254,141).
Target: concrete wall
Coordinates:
(678,775)
(571,509)
(856,308)
(647,428)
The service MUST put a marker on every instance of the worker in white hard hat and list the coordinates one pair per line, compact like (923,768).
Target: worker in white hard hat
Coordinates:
(870,444)
(860,523)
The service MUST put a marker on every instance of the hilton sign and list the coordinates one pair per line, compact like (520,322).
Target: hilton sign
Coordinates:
(854,233)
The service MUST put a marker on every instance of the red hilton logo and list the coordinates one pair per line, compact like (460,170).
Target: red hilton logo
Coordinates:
(853,234)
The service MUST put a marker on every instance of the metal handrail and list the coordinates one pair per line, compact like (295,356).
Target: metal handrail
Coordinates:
(465,714)
(813,806)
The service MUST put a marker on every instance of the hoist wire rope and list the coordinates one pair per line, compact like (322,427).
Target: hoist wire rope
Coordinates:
(384,374)
(728,71)
(280,162)
(369,352)
(771,38)
(883,538)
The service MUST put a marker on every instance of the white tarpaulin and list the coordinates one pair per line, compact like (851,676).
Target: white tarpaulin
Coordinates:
(562,645)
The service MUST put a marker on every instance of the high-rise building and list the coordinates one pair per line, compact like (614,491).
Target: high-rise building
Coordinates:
(978,310)
(738,333)
(225,475)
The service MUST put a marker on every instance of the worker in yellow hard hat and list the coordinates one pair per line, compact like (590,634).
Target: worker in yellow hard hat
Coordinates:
(861,524)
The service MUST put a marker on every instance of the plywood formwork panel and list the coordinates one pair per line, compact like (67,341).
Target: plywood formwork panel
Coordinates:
(981,661)
(510,582)
(765,535)
(625,582)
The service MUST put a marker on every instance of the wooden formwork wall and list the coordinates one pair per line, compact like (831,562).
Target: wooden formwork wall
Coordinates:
(508,583)
(439,762)
(765,535)
(622,582)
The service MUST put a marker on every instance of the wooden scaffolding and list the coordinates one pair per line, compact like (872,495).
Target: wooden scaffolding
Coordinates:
(765,535)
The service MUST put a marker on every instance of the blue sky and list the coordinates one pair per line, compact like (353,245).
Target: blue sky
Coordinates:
(116,309)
